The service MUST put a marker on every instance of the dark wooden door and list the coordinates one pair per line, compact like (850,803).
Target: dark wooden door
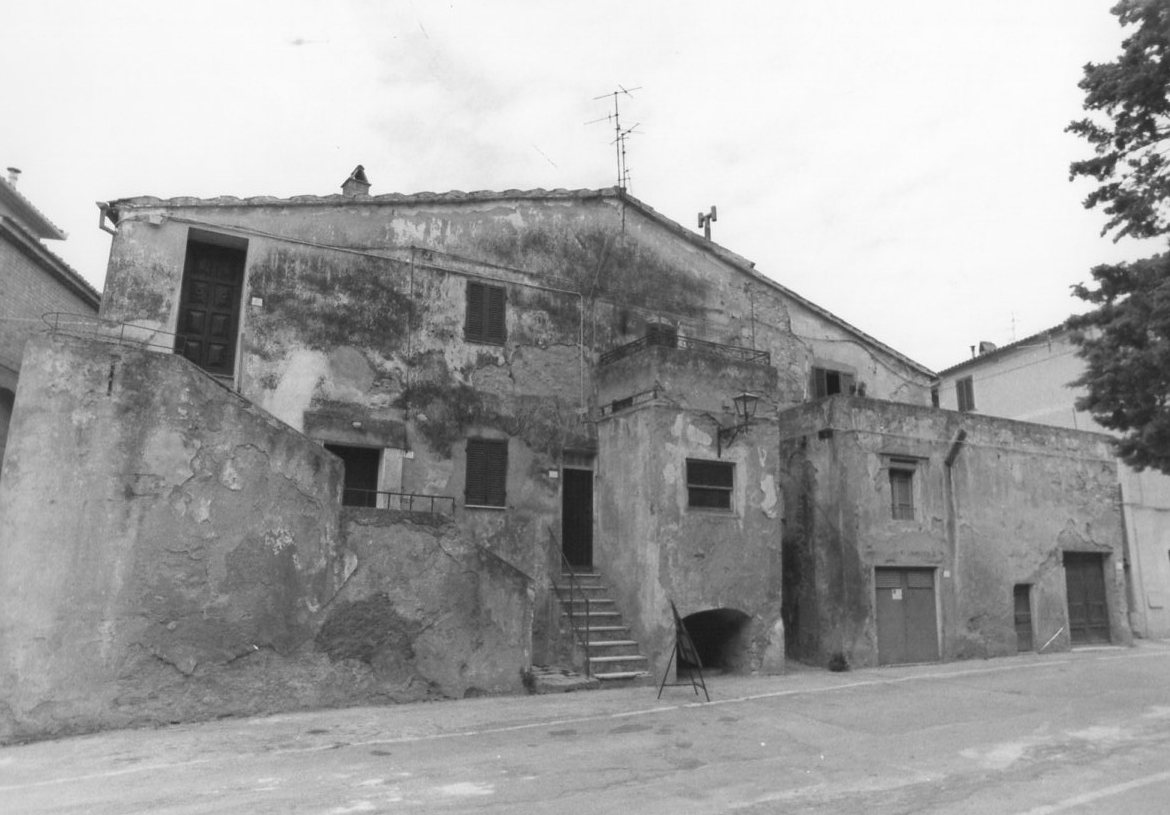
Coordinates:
(906,619)
(1022,602)
(209,307)
(577,517)
(1088,614)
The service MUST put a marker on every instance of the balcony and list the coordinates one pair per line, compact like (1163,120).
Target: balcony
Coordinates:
(658,339)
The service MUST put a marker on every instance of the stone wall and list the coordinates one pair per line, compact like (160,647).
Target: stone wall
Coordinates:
(1014,498)
(169,552)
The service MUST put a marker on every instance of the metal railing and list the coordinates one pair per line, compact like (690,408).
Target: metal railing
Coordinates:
(659,339)
(88,326)
(574,589)
(640,398)
(405,501)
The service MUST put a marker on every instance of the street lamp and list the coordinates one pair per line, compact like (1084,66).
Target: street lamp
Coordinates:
(745,410)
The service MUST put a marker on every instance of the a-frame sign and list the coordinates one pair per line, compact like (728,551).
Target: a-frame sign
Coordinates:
(684,654)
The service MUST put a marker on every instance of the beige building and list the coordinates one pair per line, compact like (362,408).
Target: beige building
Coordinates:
(1030,380)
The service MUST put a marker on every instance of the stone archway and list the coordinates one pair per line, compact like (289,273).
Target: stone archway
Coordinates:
(721,638)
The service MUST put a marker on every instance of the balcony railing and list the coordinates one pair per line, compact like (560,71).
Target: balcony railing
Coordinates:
(405,501)
(666,340)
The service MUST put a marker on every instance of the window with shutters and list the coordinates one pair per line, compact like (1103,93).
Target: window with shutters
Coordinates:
(965,390)
(902,488)
(827,382)
(487,473)
(485,313)
(709,484)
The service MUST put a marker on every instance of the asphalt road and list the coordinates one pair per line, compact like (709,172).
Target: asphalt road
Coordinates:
(1085,732)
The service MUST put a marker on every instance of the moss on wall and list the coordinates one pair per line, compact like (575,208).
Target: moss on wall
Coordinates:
(331,300)
(362,629)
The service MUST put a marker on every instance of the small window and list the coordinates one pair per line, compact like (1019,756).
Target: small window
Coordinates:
(487,473)
(902,490)
(709,484)
(827,382)
(965,390)
(485,313)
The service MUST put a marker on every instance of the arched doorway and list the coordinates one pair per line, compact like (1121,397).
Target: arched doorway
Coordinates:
(721,639)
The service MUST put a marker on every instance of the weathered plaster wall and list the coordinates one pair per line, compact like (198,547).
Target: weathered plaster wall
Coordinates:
(432,612)
(1016,498)
(169,552)
(655,549)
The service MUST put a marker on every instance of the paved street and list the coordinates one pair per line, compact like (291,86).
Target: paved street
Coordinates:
(1086,732)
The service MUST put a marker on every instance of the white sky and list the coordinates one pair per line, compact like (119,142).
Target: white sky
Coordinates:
(901,163)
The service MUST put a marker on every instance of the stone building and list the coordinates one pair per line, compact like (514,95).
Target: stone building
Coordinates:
(395,432)
(33,282)
(1031,380)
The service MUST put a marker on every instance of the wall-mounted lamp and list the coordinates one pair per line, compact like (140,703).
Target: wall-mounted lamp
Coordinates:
(745,410)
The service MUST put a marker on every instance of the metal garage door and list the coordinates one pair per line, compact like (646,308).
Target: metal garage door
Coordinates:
(1088,615)
(906,620)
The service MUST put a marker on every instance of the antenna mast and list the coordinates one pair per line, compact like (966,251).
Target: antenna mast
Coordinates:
(620,136)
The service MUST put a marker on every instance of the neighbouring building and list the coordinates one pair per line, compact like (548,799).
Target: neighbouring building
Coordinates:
(1031,380)
(396,431)
(33,282)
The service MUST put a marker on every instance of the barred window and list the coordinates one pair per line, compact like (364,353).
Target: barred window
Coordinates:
(902,490)
(485,313)
(709,484)
(487,473)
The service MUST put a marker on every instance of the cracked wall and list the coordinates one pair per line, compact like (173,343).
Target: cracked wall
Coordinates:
(1015,498)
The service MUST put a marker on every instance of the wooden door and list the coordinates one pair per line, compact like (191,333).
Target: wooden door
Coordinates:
(209,307)
(906,618)
(1088,614)
(577,517)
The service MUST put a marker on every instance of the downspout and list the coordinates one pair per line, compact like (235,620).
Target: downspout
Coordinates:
(952,506)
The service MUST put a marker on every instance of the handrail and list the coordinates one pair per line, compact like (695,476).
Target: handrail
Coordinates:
(658,338)
(567,569)
(89,326)
(383,499)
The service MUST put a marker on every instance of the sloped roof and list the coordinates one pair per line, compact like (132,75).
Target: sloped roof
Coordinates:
(18,234)
(29,216)
(1005,350)
(458,196)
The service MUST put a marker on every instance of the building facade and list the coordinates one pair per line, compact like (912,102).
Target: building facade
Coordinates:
(33,282)
(441,409)
(1031,380)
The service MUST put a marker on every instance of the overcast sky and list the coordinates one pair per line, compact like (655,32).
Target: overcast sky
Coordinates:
(901,163)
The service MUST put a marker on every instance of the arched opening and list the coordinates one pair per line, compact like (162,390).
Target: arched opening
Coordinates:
(720,636)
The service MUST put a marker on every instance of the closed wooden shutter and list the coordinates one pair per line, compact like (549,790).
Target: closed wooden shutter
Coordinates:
(487,473)
(486,313)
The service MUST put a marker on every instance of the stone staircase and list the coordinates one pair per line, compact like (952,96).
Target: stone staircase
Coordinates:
(613,655)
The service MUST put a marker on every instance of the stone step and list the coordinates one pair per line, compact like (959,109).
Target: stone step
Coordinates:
(633,662)
(615,648)
(594,602)
(619,676)
(602,633)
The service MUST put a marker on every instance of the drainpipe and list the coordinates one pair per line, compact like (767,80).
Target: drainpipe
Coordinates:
(952,502)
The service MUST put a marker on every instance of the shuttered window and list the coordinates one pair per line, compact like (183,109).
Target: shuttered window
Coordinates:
(902,492)
(709,484)
(485,313)
(965,390)
(487,473)
(826,382)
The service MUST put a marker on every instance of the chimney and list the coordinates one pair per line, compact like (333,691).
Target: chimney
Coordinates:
(356,186)
(13,175)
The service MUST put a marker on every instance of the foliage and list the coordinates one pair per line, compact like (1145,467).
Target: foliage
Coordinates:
(1129,159)
(1125,343)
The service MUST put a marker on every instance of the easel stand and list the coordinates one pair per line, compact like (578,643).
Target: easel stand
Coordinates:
(684,652)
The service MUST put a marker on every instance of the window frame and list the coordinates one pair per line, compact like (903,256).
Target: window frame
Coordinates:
(485,484)
(902,471)
(710,487)
(965,393)
(486,316)
(821,376)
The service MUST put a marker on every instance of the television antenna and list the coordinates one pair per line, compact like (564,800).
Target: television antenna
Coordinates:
(620,135)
